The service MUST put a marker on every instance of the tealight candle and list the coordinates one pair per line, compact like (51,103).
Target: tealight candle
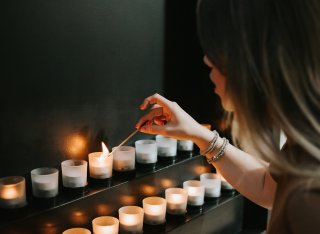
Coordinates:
(105,225)
(131,219)
(176,201)
(212,184)
(195,192)
(44,182)
(166,147)
(77,231)
(124,158)
(146,151)
(185,145)
(12,192)
(154,210)
(100,164)
(74,173)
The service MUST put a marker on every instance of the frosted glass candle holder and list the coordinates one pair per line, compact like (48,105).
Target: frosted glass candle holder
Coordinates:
(124,158)
(105,225)
(166,147)
(195,192)
(45,182)
(12,192)
(176,201)
(77,231)
(185,145)
(154,210)
(74,173)
(146,151)
(131,219)
(100,167)
(212,184)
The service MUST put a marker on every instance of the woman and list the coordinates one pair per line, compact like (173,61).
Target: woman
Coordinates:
(264,57)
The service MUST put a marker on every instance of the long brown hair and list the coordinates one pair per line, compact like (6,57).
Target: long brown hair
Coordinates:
(269,51)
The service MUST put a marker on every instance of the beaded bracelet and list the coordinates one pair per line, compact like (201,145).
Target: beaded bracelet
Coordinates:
(220,153)
(212,143)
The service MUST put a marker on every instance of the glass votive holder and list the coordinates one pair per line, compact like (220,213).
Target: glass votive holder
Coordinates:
(146,151)
(154,210)
(74,173)
(185,145)
(100,167)
(105,225)
(212,184)
(195,192)
(166,146)
(176,201)
(131,219)
(124,159)
(45,182)
(12,192)
(77,231)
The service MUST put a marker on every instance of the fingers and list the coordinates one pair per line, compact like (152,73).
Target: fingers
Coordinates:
(155,99)
(156,114)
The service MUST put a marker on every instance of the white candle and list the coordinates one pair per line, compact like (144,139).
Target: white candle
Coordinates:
(185,145)
(77,231)
(12,192)
(105,225)
(74,173)
(176,201)
(45,182)
(166,147)
(124,158)
(100,164)
(195,192)
(154,210)
(146,151)
(212,184)
(131,219)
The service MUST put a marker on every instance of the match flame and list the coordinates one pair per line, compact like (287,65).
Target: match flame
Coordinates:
(105,151)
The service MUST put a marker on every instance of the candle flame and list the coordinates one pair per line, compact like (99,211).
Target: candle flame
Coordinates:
(105,151)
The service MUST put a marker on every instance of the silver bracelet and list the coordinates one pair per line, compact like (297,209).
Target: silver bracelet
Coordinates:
(220,153)
(212,143)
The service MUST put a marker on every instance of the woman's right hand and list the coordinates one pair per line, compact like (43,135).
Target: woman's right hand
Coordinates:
(169,119)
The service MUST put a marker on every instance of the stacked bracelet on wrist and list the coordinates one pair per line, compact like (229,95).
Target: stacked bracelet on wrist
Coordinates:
(212,143)
(220,152)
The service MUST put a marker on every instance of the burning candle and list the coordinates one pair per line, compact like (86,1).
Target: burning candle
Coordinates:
(44,182)
(105,225)
(166,147)
(195,192)
(74,173)
(77,231)
(100,163)
(176,201)
(131,219)
(185,145)
(12,192)
(212,184)
(146,151)
(124,158)
(154,210)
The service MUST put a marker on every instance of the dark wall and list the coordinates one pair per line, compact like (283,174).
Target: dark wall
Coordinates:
(186,76)
(73,74)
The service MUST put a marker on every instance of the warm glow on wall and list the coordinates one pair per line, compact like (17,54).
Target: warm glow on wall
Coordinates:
(201,169)
(103,209)
(76,145)
(127,199)
(167,183)
(148,190)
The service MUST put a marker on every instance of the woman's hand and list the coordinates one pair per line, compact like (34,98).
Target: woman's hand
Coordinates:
(167,118)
